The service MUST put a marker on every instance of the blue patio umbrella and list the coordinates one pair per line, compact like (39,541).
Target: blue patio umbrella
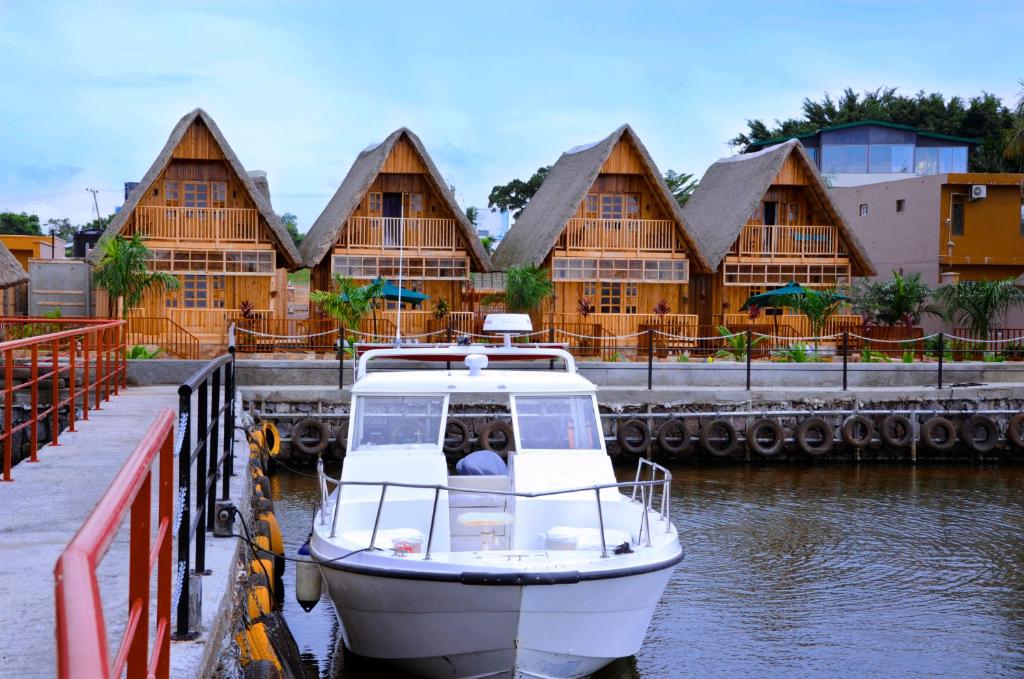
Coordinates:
(777,297)
(393,293)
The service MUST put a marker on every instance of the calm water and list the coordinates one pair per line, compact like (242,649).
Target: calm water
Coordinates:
(796,572)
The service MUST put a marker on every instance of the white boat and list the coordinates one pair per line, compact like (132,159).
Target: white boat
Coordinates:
(552,569)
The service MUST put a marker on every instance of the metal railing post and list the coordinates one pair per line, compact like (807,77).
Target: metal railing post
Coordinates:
(942,352)
(650,358)
(55,393)
(202,450)
(846,357)
(341,356)
(448,335)
(184,510)
(433,518)
(750,337)
(600,522)
(376,521)
(229,425)
(551,340)
(211,478)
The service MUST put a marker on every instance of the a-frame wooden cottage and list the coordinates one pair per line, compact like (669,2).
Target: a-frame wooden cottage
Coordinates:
(392,214)
(210,223)
(765,219)
(612,236)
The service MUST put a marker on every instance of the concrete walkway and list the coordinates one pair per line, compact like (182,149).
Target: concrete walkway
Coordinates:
(44,507)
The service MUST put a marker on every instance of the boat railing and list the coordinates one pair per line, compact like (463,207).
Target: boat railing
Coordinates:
(449,352)
(646,487)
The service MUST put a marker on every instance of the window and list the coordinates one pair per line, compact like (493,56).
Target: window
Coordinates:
(395,423)
(844,158)
(436,268)
(212,261)
(197,194)
(956,218)
(650,270)
(590,205)
(219,191)
(633,206)
(901,204)
(611,206)
(863,210)
(194,293)
(590,290)
(374,203)
(171,196)
(617,298)
(891,158)
(812,153)
(218,285)
(416,203)
(557,423)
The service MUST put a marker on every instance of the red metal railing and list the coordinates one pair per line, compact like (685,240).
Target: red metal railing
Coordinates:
(82,651)
(90,354)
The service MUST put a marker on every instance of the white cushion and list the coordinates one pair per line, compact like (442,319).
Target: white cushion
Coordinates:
(475,500)
(571,537)
(386,537)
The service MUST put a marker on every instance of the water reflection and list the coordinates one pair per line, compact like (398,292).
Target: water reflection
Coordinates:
(797,571)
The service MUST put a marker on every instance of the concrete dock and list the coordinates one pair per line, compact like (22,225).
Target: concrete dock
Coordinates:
(43,508)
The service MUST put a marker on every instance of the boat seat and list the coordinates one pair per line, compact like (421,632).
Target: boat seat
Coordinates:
(572,538)
(467,538)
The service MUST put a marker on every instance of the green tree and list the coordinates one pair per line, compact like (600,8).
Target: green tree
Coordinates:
(818,306)
(982,117)
(1014,148)
(526,288)
(122,273)
(62,228)
(681,185)
(514,196)
(20,224)
(975,305)
(472,214)
(100,223)
(349,302)
(488,243)
(291,223)
(900,300)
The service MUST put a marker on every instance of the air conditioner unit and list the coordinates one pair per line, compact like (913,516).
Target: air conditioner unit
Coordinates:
(978,191)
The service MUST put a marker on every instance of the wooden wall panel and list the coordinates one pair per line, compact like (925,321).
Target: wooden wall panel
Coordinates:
(198,143)
(794,172)
(623,159)
(403,158)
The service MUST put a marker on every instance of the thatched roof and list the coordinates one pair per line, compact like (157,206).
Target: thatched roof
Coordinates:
(731,190)
(285,244)
(11,272)
(327,228)
(537,230)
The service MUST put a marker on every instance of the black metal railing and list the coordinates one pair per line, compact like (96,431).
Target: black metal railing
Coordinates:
(213,456)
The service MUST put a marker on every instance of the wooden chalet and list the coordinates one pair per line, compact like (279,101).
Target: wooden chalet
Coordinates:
(13,284)
(394,213)
(209,223)
(765,219)
(610,233)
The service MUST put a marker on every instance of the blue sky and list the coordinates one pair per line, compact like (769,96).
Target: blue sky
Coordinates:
(90,91)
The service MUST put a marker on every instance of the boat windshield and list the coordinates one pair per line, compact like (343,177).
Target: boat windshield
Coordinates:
(397,422)
(557,423)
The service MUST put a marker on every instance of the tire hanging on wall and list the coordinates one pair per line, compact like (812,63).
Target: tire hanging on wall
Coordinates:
(456,429)
(340,437)
(758,429)
(310,425)
(938,434)
(1013,430)
(896,431)
(857,431)
(496,427)
(633,436)
(727,428)
(807,428)
(674,437)
(990,437)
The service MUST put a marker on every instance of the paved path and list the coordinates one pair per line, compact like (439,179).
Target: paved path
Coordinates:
(44,507)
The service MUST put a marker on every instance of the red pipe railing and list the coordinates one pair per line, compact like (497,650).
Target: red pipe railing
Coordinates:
(82,650)
(93,349)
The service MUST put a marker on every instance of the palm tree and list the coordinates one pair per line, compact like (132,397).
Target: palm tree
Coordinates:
(349,302)
(975,305)
(818,306)
(526,288)
(901,300)
(488,243)
(1014,147)
(122,273)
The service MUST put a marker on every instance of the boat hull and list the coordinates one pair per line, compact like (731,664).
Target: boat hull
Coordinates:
(450,629)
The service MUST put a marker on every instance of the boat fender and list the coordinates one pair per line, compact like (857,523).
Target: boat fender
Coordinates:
(633,436)
(274,527)
(264,566)
(485,441)
(258,603)
(857,431)
(308,580)
(762,428)
(310,425)
(984,425)
(814,427)
(271,438)
(896,431)
(255,646)
(457,430)
(674,437)
(938,434)
(264,484)
(1013,430)
(719,427)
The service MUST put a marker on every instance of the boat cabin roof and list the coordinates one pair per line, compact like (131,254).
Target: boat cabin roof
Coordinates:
(462,382)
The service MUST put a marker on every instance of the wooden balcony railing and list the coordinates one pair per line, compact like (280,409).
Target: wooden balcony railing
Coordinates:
(619,235)
(779,241)
(216,224)
(617,325)
(412,233)
(797,323)
(164,333)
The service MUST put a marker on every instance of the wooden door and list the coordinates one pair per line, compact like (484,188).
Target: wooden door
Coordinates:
(391,211)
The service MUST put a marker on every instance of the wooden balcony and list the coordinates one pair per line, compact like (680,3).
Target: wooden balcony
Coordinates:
(211,224)
(411,234)
(759,241)
(619,235)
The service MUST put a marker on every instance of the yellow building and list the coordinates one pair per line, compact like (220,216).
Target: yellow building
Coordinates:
(25,248)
